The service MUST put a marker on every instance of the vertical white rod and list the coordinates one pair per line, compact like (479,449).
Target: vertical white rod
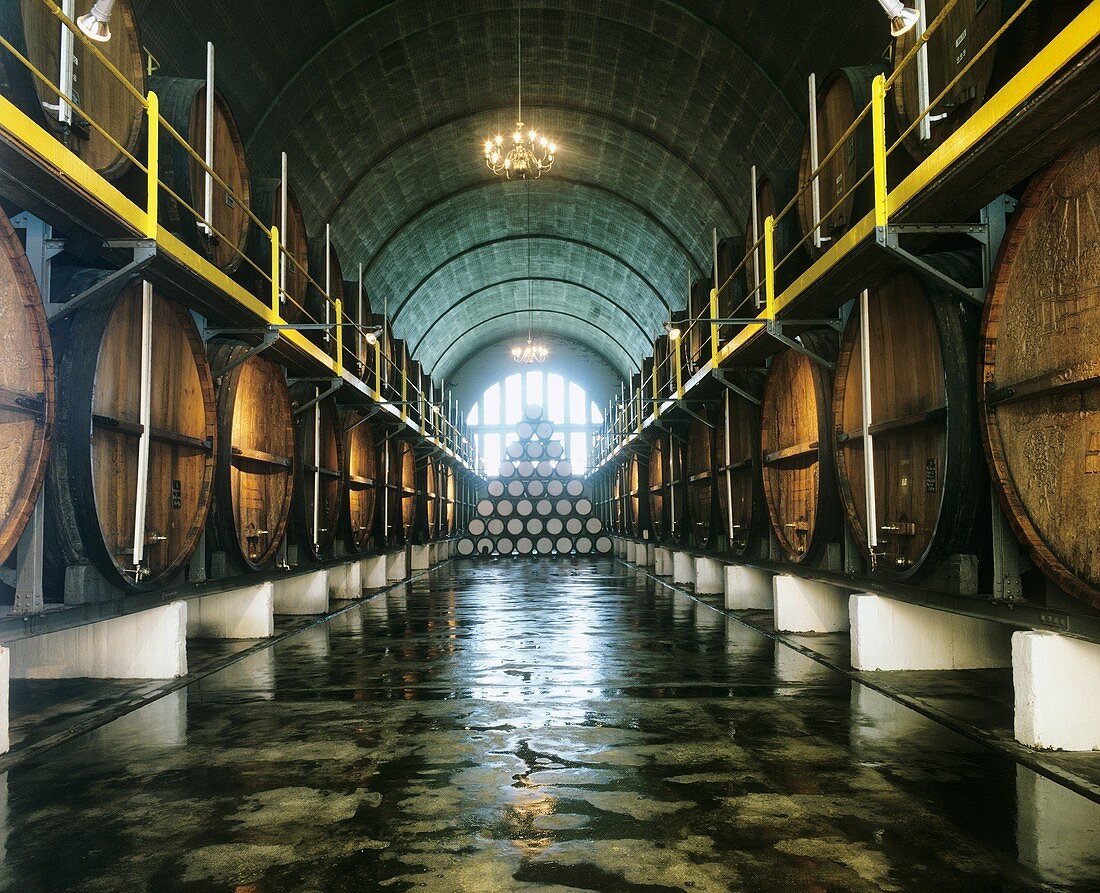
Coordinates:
(714,253)
(758,296)
(386,492)
(145,420)
(868,440)
(729,474)
(815,188)
(924,129)
(208,180)
(316,470)
(360,339)
(67,77)
(282,228)
(328,277)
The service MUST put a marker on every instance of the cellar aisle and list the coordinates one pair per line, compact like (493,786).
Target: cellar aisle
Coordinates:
(553,725)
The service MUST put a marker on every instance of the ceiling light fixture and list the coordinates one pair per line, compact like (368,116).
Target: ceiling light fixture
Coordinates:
(96,24)
(902,17)
(530,154)
(529,353)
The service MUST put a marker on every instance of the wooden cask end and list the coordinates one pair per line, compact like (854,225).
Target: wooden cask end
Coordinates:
(35,32)
(662,364)
(796,454)
(319,488)
(321,305)
(731,293)
(26,389)
(94,472)
(361,492)
(697,336)
(618,489)
(637,489)
(773,193)
(449,514)
(267,205)
(737,456)
(667,499)
(401,496)
(183,105)
(699,476)
(1040,396)
(254,482)
(428,500)
(929,476)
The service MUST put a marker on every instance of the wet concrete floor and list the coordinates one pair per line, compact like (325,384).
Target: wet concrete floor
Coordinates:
(538,726)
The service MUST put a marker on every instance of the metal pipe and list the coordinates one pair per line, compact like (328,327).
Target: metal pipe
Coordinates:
(868,441)
(141,494)
(815,187)
(67,78)
(208,184)
(317,471)
(282,227)
(757,298)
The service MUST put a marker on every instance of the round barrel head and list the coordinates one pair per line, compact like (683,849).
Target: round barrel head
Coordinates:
(554,526)
(604,545)
(485,507)
(495,527)
(532,412)
(525,430)
(465,547)
(515,488)
(525,546)
(555,488)
(476,527)
(574,487)
(535,488)
(544,507)
(544,430)
(544,545)
(535,526)
(505,546)
(505,507)
(563,545)
(496,489)
(574,526)
(514,527)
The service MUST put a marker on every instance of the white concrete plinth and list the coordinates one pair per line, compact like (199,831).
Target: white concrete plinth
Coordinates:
(302,593)
(345,581)
(397,566)
(748,588)
(146,645)
(5,675)
(632,551)
(620,547)
(683,568)
(804,606)
(893,635)
(1056,830)
(245,613)
(646,554)
(662,562)
(1057,683)
(421,558)
(708,576)
(372,572)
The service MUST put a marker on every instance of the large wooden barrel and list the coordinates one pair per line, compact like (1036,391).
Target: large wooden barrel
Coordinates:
(319,488)
(773,193)
(697,337)
(637,490)
(267,205)
(618,488)
(1040,401)
(966,29)
(731,294)
(35,32)
(929,474)
(699,476)
(95,466)
(667,499)
(358,352)
(183,105)
(255,471)
(429,500)
(737,454)
(796,453)
(26,389)
(662,364)
(401,496)
(448,513)
(841,96)
(361,494)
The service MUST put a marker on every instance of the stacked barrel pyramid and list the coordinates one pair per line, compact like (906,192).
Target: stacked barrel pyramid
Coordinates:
(535,505)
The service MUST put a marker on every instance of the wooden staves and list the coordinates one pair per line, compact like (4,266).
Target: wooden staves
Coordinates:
(699,476)
(36,33)
(429,501)
(319,488)
(267,205)
(737,453)
(322,309)
(929,476)
(26,390)
(256,456)
(361,474)
(95,485)
(667,499)
(618,496)
(401,495)
(773,193)
(183,105)
(796,456)
(637,495)
(1040,373)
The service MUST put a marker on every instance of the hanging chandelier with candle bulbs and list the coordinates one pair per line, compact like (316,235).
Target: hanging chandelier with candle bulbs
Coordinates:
(530,154)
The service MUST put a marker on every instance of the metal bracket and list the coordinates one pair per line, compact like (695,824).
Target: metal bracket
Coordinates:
(268,339)
(775,329)
(334,386)
(367,416)
(720,375)
(889,238)
(1007,586)
(145,250)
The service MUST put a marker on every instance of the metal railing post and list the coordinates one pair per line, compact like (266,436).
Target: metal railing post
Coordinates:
(679,367)
(377,369)
(152,175)
(276,290)
(656,394)
(339,336)
(769,267)
(878,125)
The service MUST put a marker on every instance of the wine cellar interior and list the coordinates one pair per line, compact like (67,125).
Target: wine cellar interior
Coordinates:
(694,486)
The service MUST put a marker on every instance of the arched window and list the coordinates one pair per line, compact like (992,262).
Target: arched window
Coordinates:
(493,418)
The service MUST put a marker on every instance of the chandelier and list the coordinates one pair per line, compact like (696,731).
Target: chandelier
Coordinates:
(530,155)
(530,352)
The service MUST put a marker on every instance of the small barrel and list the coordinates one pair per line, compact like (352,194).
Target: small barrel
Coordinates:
(465,547)
(256,456)
(525,430)
(554,526)
(35,32)
(96,455)
(637,500)
(535,526)
(667,499)
(319,308)
(554,449)
(575,487)
(428,502)
(796,454)
(603,545)
(515,450)
(476,527)
(773,193)
(699,473)
(319,488)
(495,488)
(267,205)
(929,474)
(401,495)
(532,412)
(737,449)
(1040,377)
(183,106)
(361,476)
(555,488)
(515,488)
(26,389)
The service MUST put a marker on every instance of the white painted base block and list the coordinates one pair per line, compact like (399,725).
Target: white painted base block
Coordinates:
(804,606)
(683,568)
(5,675)
(632,551)
(372,572)
(620,547)
(1057,683)
(302,593)
(748,588)
(421,558)
(893,635)
(397,566)
(662,561)
(708,576)
(146,645)
(345,581)
(245,613)
(646,553)
(1056,829)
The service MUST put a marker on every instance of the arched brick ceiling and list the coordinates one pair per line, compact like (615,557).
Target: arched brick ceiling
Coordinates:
(659,107)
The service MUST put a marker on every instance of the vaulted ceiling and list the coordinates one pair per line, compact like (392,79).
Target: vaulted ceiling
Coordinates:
(659,109)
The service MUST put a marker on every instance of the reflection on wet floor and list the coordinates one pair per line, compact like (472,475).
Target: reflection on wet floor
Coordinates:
(543,726)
